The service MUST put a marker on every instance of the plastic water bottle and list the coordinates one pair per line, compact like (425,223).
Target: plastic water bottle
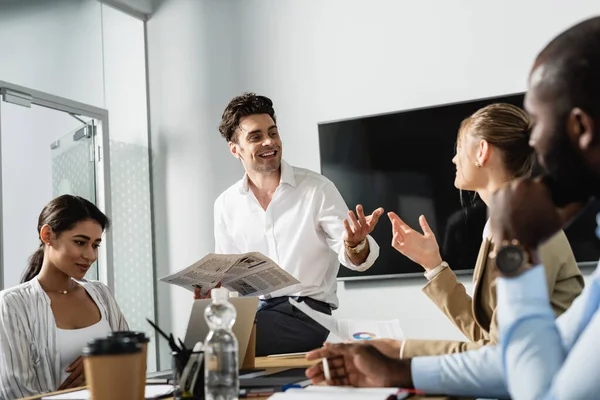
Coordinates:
(221,380)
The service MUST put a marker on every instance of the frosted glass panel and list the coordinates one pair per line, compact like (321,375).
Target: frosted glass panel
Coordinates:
(73,169)
(71,173)
(132,237)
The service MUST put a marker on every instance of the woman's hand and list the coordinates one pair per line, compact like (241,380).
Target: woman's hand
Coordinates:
(420,248)
(77,377)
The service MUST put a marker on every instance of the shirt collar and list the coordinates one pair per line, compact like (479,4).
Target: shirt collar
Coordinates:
(287,176)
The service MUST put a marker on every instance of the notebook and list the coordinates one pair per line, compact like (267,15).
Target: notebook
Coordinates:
(152,392)
(341,392)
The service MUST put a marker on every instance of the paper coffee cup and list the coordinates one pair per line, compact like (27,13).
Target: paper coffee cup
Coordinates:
(143,340)
(113,366)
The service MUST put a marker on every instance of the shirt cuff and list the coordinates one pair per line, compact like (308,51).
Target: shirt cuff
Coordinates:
(426,374)
(373,254)
(521,296)
(433,272)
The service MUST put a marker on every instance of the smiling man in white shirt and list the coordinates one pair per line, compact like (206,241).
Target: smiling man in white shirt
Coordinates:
(294,216)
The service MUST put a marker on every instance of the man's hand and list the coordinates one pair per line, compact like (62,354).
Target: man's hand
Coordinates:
(388,347)
(360,226)
(77,377)
(420,248)
(358,365)
(199,295)
(523,211)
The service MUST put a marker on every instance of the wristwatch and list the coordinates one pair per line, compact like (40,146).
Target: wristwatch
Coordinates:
(512,259)
(358,248)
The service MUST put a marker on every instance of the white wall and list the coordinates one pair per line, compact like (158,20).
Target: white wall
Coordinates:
(88,52)
(124,60)
(193,69)
(54,47)
(320,61)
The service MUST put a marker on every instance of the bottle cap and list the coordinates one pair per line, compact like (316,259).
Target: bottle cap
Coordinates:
(219,294)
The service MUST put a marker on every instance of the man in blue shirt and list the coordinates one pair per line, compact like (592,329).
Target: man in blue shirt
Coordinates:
(538,357)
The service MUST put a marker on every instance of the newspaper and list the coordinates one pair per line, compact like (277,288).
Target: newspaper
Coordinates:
(249,274)
(348,329)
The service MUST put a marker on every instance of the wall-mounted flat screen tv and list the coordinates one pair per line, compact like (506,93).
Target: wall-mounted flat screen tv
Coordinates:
(401,161)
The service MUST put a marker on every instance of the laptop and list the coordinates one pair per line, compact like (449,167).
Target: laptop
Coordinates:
(242,328)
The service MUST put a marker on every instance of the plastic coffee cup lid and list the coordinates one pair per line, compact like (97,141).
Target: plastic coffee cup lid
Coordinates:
(133,335)
(111,346)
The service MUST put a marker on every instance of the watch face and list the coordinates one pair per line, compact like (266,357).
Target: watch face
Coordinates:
(509,259)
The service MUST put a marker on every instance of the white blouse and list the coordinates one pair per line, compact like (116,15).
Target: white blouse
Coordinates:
(72,341)
(29,347)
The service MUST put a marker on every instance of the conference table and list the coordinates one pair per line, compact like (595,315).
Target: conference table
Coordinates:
(274,364)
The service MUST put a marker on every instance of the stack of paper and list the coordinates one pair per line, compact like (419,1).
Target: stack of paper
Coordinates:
(333,392)
(152,392)
(346,329)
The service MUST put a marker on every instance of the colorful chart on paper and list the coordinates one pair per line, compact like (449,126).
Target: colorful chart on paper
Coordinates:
(364,336)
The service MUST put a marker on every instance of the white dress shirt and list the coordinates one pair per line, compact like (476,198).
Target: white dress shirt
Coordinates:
(301,230)
(29,345)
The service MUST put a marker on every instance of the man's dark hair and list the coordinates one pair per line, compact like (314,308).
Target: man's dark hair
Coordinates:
(572,67)
(242,106)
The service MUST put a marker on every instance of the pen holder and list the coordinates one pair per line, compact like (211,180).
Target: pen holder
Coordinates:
(188,375)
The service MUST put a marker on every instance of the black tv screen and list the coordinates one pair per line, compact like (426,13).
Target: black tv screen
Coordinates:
(402,162)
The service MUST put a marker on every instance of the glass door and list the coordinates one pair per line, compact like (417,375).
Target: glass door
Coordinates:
(44,152)
(73,168)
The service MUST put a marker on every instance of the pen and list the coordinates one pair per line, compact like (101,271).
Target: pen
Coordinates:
(182,345)
(326,370)
(169,339)
(180,356)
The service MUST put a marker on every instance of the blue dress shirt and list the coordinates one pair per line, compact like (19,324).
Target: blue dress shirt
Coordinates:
(539,357)
(544,358)
(475,373)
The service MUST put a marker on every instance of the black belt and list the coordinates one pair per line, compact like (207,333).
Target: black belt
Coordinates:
(299,299)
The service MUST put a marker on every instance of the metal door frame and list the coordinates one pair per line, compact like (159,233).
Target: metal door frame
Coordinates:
(26,97)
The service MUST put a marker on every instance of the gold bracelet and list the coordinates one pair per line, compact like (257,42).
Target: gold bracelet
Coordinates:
(358,248)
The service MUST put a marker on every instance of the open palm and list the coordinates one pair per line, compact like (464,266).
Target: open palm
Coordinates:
(421,248)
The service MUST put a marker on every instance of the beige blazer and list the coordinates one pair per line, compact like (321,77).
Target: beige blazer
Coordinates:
(476,316)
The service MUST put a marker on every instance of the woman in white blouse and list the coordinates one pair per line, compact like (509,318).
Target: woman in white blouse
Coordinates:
(46,321)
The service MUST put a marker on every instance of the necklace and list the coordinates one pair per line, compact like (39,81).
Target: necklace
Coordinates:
(61,291)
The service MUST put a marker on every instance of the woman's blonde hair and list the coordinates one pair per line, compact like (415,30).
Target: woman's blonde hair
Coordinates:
(507,128)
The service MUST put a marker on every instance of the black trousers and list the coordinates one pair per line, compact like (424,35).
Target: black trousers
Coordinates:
(282,328)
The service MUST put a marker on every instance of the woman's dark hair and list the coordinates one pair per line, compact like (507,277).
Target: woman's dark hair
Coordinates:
(242,106)
(62,214)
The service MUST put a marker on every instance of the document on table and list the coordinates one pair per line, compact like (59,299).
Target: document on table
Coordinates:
(249,274)
(348,329)
(152,392)
(332,392)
